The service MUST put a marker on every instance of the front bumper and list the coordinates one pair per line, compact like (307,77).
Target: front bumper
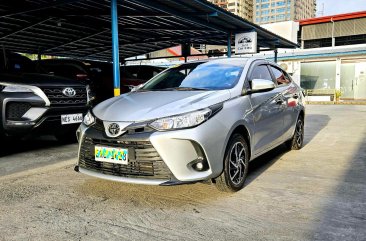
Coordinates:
(167,158)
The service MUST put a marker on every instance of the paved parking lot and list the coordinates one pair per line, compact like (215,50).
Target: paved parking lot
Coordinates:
(318,193)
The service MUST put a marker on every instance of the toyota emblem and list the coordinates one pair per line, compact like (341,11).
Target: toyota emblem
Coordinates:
(69,92)
(114,129)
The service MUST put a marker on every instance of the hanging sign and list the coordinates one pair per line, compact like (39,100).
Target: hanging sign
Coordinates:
(246,43)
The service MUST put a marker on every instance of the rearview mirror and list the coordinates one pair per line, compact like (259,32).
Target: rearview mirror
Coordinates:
(262,85)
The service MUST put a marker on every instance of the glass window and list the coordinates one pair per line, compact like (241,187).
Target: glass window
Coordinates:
(353,79)
(281,78)
(318,75)
(206,76)
(261,72)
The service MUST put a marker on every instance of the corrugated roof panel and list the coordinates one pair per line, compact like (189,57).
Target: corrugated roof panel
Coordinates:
(81,28)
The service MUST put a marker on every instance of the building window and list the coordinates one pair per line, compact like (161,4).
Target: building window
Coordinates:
(281,10)
(282,3)
(318,75)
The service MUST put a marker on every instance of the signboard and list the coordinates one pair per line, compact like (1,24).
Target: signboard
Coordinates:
(246,43)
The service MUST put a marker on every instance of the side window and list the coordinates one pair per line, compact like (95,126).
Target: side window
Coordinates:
(261,72)
(281,77)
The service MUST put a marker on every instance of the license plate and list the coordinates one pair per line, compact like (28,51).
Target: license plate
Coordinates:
(111,154)
(71,119)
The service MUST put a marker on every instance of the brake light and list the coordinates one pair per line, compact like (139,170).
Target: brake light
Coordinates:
(82,77)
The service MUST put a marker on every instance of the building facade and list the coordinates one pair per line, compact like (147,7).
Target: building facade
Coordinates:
(272,11)
(242,8)
(331,31)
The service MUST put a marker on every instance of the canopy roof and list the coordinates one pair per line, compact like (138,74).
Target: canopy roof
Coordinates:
(82,28)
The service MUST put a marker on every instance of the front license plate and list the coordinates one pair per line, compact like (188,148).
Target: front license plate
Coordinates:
(71,119)
(111,154)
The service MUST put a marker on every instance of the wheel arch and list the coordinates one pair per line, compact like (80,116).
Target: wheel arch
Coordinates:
(242,129)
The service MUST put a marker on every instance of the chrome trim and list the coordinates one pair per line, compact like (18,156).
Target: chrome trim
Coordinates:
(35,90)
(122,126)
(122,179)
(34,113)
(41,94)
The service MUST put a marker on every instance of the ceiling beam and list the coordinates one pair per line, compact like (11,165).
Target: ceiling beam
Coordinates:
(24,28)
(76,40)
(192,19)
(24,9)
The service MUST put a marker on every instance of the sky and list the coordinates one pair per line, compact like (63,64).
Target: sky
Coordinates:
(332,7)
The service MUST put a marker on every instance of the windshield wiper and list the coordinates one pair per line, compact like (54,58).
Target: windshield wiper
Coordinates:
(186,88)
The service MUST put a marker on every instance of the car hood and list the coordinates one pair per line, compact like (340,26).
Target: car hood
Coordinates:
(39,80)
(141,106)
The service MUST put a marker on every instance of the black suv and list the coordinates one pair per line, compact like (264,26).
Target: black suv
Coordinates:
(32,102)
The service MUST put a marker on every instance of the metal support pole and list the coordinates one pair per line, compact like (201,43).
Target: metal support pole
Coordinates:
(333,39)
(275,55)
(229,46)
(115,48)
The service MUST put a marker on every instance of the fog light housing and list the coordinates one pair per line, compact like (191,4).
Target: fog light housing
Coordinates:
(200,164)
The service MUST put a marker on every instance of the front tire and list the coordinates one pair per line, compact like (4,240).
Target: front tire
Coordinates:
(236,165)
(297,140)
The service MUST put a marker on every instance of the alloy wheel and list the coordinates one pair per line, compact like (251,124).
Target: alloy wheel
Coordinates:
(299,133)
(237,166)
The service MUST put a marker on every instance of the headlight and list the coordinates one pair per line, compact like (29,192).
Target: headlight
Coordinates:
(16,88)
(187,120)
(89,93)
(89,119)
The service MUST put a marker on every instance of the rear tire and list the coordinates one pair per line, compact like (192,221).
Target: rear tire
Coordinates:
(297,140)
(236,165)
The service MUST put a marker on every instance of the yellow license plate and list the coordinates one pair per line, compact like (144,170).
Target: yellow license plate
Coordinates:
(111,154)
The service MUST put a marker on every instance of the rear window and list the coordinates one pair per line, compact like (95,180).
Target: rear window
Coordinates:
(16,63)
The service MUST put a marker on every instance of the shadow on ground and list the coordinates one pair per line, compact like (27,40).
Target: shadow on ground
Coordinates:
(314,123)
(17,146)
(343,216)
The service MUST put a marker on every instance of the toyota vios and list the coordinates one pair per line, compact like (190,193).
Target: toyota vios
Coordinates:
(194,122)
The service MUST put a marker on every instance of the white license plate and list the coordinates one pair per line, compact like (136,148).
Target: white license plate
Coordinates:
(71,119)
(111,154)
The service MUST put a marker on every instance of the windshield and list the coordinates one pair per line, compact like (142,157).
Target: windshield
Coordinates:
(197,76)
(13,63)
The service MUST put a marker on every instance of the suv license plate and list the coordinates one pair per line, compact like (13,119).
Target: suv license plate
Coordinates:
(71,119)
(111,154)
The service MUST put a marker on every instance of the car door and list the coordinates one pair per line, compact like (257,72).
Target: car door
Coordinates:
(290,96)
(267,111)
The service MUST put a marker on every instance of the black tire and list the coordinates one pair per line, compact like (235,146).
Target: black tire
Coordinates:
(297,140)
(67,137)
(236,163)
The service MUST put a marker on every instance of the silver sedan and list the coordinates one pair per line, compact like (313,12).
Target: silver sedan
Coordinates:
(194,122)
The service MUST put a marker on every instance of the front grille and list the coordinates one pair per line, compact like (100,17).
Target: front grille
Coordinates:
(57,98)
(144,161)
(15,110)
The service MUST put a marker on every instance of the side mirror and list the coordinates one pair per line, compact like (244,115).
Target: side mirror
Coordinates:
(262,85)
